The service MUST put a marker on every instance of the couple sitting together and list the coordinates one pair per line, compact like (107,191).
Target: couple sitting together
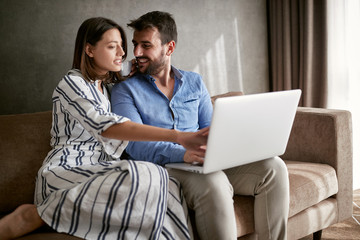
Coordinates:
(84,189)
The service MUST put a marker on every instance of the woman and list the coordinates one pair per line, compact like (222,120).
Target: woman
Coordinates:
(83,188)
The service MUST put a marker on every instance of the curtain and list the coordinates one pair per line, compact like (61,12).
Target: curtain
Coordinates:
(344,67)
(298,48)
(314,46)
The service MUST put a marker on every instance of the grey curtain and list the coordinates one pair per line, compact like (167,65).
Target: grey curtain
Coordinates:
(298,48)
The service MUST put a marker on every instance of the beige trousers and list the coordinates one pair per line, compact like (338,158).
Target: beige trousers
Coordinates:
(211,197)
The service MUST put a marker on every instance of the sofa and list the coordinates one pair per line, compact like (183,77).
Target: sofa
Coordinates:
(318,157)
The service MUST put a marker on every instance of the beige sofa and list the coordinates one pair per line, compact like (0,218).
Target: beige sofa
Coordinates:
(318,156)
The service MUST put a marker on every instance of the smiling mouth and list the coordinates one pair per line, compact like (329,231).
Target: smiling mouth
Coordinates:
(141,60)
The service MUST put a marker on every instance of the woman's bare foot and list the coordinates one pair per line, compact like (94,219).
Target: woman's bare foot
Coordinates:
(23,220)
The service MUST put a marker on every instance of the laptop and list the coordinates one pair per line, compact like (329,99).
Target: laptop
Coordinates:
(246,129)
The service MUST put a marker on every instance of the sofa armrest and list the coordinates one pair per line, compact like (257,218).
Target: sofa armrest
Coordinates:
(325,136)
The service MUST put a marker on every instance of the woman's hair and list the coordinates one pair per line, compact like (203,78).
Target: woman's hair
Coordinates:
(91,31)
(163,21)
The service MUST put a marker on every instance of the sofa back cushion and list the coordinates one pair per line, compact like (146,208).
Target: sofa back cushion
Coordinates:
(24,143)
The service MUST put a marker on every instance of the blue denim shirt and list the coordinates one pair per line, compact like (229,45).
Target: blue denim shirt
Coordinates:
(139,99)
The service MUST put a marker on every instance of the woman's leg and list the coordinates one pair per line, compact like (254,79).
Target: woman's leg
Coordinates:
(23,220)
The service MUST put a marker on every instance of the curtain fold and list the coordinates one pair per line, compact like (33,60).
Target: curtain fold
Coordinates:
(344,70)
(298,48)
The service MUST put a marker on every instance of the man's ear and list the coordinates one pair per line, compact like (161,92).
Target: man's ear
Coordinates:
(89,50)
(171,47)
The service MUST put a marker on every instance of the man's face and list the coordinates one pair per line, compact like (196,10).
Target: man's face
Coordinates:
(149,52)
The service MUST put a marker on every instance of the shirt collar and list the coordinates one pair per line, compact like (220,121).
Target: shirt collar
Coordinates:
(176,72)
(178,75)
(77,73)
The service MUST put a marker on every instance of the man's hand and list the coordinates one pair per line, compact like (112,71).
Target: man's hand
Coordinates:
(194,141)
(194,157)
(134,67)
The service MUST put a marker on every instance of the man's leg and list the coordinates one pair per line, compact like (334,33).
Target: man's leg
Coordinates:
(23,220)
(211,197)
(268,182)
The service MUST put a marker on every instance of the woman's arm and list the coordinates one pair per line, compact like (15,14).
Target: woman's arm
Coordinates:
(138,132)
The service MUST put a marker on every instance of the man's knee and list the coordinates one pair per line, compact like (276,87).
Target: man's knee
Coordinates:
(217,182)
(278,166)
(204,188)
(216,189)
(277,174)
(272,167)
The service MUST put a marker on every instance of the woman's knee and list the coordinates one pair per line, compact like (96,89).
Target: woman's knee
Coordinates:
(28,213)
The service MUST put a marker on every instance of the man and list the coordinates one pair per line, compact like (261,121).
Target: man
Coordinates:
(161,95)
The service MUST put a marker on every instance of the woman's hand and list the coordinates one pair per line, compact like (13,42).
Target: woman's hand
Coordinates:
(194,141)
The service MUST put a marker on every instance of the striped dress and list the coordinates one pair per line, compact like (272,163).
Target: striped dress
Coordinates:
(84,189)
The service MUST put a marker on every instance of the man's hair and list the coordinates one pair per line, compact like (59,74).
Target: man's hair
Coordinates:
(91,31)
(163,21)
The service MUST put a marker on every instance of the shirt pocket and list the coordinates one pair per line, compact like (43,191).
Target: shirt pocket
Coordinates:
(191,104)
(188,112)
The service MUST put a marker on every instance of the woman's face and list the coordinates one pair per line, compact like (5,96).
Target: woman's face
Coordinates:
(107,53)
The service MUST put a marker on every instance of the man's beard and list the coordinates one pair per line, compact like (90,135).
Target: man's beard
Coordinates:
(155,67)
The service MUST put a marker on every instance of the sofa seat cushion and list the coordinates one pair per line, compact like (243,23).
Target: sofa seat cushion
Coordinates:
(310,183)
(244,214)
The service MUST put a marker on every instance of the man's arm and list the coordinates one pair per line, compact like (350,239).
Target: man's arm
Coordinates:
(123,104)
(204,119)
(205,108)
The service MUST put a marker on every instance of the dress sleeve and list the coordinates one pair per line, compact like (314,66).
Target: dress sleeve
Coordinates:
(82,101)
